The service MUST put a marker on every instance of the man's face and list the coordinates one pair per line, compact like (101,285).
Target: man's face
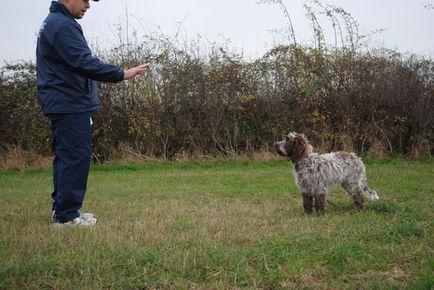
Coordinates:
(77,7)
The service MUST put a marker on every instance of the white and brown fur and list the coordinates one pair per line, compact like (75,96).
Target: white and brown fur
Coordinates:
(316,173)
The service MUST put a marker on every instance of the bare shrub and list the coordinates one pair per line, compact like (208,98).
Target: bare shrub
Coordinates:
(195,103)
(378,150)
(420,148)
(21,122)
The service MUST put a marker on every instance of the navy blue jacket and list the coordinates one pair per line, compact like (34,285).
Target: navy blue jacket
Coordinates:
(66,71)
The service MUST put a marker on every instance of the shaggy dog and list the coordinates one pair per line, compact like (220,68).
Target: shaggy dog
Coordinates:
(316,173)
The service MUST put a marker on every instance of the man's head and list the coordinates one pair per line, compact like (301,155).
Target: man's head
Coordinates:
(77,7)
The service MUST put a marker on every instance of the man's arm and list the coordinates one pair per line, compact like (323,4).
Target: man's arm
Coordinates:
(73,49)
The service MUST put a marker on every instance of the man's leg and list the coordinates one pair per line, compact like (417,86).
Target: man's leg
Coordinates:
(72,150)
(54,193)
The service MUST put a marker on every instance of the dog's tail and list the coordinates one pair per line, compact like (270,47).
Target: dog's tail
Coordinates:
(363,183)
(369,193)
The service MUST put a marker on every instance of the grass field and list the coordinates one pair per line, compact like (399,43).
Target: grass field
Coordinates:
(219,225)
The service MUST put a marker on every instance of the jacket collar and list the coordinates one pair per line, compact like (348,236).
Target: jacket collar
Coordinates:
(59,7)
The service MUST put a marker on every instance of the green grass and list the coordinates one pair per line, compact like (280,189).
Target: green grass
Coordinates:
(220,225)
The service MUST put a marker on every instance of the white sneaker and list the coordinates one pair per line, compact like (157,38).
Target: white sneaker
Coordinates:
(86,215)
(78,222)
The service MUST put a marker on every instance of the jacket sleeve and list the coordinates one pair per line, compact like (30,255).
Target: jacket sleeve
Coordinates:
(71,46)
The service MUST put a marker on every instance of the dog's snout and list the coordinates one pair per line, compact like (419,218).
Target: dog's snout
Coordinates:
(276,146)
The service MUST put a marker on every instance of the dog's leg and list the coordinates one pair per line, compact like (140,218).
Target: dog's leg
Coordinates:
(358,200)
(320,203)
(307,203)
(356,194)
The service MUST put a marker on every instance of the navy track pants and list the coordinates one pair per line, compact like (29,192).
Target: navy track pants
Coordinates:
(72,155)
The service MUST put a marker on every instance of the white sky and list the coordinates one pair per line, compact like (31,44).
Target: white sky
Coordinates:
(409,25)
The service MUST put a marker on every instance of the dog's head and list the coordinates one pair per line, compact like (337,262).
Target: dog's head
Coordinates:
(295,146)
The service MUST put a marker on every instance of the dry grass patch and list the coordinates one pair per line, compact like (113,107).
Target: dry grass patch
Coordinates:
(17,159)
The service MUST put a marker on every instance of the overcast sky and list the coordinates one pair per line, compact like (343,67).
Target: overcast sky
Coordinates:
(409,26)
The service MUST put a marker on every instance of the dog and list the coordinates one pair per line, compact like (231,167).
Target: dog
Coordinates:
(316,173)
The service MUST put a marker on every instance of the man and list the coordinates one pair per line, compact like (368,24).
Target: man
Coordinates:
(66,73)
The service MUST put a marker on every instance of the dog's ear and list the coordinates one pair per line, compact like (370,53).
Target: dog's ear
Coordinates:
(303,140)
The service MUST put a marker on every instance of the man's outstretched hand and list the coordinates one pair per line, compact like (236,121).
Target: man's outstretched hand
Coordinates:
(135,71)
